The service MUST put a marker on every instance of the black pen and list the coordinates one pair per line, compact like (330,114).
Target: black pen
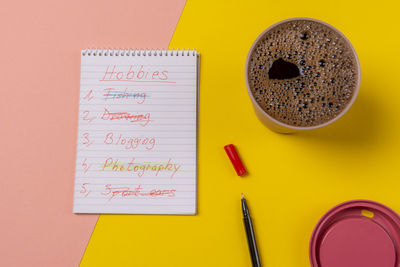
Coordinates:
(251,239)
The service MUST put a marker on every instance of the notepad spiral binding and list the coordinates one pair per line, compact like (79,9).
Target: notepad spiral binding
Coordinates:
(137,52)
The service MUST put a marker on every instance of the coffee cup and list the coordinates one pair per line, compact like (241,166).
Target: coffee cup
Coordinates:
(301,74)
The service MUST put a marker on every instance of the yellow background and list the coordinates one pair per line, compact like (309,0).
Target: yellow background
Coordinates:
(294,179)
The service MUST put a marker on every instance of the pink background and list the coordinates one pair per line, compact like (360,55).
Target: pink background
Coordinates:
(39,74)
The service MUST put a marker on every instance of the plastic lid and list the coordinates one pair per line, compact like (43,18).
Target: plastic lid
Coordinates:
(358,233)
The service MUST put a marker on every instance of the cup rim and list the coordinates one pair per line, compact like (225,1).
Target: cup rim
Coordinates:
(301,128)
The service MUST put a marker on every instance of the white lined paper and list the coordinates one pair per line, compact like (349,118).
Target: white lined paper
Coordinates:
(137,136)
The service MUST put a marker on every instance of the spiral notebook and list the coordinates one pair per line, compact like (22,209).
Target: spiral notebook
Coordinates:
(137,136)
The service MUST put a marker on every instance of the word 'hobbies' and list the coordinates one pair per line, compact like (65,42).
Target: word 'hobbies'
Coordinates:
(142,119)
(135,74)
(126,192)
(111,164)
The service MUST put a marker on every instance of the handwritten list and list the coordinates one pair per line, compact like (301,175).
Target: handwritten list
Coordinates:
(137,136)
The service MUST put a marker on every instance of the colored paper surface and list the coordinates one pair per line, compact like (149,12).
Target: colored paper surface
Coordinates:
(293,179)
(40,67)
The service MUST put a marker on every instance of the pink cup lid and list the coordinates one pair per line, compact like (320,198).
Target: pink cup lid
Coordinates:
(358,233)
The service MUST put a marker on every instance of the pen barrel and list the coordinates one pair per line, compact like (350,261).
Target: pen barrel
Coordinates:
(251,240)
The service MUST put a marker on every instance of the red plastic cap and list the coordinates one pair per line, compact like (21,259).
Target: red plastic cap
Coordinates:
(234,157)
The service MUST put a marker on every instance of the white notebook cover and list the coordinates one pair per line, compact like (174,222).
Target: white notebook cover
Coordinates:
(137,136)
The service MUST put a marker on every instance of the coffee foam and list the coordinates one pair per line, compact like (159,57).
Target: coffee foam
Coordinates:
(326,79)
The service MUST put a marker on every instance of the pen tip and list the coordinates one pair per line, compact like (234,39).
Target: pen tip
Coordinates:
(242,196)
